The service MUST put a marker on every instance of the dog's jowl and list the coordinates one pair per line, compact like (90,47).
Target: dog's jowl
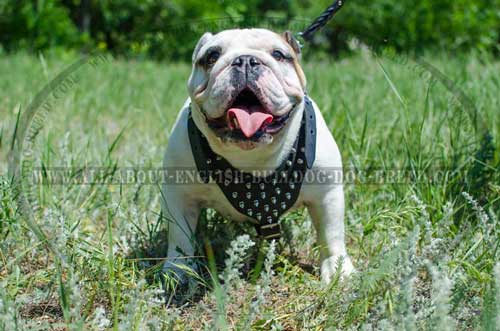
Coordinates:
(254,137)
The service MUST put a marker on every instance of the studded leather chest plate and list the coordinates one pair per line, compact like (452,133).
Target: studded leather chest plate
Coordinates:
(264,198)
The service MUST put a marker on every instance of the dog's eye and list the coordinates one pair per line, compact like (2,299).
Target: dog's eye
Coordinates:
(212,57)
(278,55)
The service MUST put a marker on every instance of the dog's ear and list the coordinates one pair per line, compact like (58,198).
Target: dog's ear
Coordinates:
(293,42)
(203,40)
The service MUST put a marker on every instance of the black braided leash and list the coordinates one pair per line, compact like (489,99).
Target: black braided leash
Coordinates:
(321,20)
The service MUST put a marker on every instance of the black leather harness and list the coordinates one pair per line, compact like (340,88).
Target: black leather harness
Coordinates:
(263,198)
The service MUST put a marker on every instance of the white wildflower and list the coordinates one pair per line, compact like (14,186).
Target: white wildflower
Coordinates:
(425,219)
(408,317)
(441,295)
(234,262)
(481,214)
(486,225)
(421,207)
(8,312)
(262,289)
(447,214)
(100,321)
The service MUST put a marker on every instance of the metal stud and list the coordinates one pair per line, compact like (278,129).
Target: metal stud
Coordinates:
(273,200)
(209,161)
(256,203)
(258,216)
(218,158)
(275,213)
(249,195)
(300,161)
(266,208)
(263,195)
(288,195)
(249,212)
(275,181)
(283,205)
(295,175)
(292,186)
(234,195)
(288,163)
(236,180)
(248,185)
(269,219)
(278,190)
(293,150)
(262,186)
(242,204)
(283,174)
(302,149)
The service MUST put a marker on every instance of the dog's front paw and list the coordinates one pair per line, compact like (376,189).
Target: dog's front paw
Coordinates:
(179,280)
(329,267)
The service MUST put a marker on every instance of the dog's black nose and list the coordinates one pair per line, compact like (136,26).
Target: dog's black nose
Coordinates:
(244,60)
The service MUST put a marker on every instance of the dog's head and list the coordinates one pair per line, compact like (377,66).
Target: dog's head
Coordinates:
(245,86)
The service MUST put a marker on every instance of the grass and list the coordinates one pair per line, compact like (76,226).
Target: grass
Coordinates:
(426,252)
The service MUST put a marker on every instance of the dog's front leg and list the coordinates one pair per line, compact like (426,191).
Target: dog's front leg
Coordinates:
(327,213)
(182,221)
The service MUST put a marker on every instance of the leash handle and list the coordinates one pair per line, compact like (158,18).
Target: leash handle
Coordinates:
(321,20)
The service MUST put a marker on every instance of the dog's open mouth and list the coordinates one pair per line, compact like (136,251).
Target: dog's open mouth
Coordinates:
(247,118)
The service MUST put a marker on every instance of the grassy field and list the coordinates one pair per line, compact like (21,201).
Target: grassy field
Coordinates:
(427,251)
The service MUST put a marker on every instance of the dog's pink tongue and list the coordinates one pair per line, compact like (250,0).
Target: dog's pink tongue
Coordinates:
(249,123)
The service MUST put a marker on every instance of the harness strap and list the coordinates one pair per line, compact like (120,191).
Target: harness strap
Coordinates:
(266,197)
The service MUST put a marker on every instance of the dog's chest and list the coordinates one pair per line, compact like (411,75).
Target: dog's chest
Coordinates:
(211,196)
(269,194)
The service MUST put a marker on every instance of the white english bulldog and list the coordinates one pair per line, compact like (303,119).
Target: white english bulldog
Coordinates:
(247,99)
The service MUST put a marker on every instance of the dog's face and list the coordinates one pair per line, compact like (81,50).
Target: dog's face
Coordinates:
(245,85)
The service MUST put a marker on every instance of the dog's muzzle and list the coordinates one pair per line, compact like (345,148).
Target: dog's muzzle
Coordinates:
(247,117)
